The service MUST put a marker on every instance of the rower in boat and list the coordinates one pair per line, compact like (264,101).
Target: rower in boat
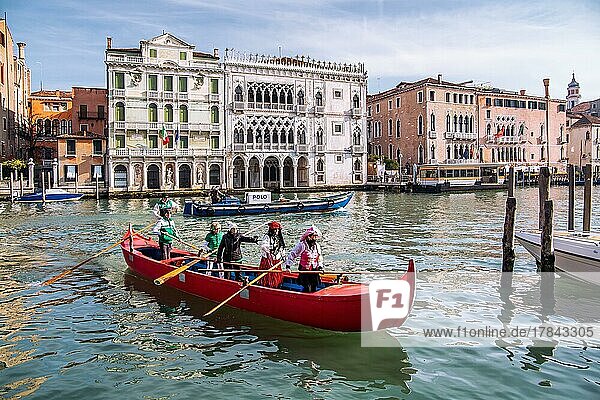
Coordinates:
(216,196)
(230,250)
(165,203)
(211,243)
(309,252)
(272,250)
(165,229)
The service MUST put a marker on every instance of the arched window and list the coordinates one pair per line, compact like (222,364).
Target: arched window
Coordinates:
(460,123)
(320,140)
(301,135)
(320,165)
(390,127)
(357,165)
(398,130)
(119,112)
(55,126)
(282,97)
(471,124)
(448,153)
(319,99)
(300,97)
(432,122)
(447,123)
(258,135)
(267,97)
(183,113)
(289,99)
(390,150)
(420,125)
(259,96)
(356,141)
(168,113)
(152,113)
(421,154)
(275,135)
(250,136)
(214,115)
(291,136)
(355,101)
(432,156)
(488,130)
(455,124)
(250,95)
(238,134)
(239,93)
(40,126)
(267,136)
(63,126)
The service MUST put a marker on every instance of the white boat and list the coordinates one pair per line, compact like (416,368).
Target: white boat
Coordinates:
(50,195)
(576,253)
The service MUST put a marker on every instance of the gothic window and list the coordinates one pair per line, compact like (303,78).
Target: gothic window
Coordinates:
(319,99)
(251,95)
(290,100)
(267,136)
(183,113)
(471,124)
(355,101)
(282,97)
(398,131)
(283,136)
(291,136)
(259,96)
(447,123)
(390,150)
(301,98)
(152,113)
(356,137)
(214,115)
(275,136)
(267,98)
(320,165)
(357,166)
(448,153)
(420,125)
(432,157)
(119,112)
(250,136)
(488,129)
(455,123)
(301,135)
(258,135)
(460,123)
(421,154)
(432,122)
(238,134)
(390,127)
(320,141)
(239,93)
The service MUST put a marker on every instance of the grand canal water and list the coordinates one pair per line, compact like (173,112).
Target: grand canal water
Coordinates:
(101,333)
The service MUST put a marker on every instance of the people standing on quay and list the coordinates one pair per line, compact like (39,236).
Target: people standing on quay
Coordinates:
(165,229)
(165,203)
(309,252)
(230,249)
(272,250)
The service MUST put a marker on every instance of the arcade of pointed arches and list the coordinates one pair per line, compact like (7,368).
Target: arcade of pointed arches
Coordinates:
(272,172)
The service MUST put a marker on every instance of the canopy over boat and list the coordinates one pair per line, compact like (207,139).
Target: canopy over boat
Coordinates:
(229,207)
(50,195)
(334,306)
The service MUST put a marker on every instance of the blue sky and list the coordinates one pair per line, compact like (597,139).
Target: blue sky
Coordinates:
(508,44)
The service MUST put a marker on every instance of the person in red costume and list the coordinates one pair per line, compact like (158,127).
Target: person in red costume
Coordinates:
(272,249)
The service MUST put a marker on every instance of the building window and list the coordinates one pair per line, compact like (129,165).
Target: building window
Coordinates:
(70,173)
(153,53)
(183,84)
(355,101)
(97,172)
(455,98)
(398,131)
(239,94)
(120,141)
(100,112)
(432,122)
(488,114)
(153,141)
(183,142)
(356,140)
(183,113)
(390,127)
(397,102)
(214,86)
(168,113)
(97,147)
(337,94)
(488,101)
(447,123)
(432,95)
(447,97)
(319,99)
(419,97)
(300,98)
(152,82)
(389,105)
(420,125)
(214,115)
(168,83)
(83,128)
(338,128)
(320,139)
(320,165)
(82,111)
(339,159)
(471,98)
(152,113)
(70,147)
(377,108)
(214,142)
(119,112)
(460,98)
(182,55)
(119,80)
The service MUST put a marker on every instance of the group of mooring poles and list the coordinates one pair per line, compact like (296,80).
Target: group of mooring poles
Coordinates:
(545,217)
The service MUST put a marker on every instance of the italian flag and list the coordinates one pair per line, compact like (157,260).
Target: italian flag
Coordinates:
(163,136)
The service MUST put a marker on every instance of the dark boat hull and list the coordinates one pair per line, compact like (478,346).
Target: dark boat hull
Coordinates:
(329,203)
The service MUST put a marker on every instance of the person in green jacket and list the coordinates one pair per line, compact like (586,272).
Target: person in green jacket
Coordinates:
(165,203)
(165,229)
(211,243)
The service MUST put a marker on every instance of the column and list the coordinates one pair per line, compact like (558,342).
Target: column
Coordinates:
(30,167)
(261,165)
(296,172)
(144,176)
(247,175)
(281,175)
(163,176)
(176,175)
(131,176)
(55,173)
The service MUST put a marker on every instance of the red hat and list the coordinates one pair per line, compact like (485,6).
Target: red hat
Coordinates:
(274,225)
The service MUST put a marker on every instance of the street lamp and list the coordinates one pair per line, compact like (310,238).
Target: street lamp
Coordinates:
(41,75)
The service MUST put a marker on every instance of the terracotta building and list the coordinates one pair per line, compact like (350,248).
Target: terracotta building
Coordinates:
(81,152)
(432,121)
(15,86)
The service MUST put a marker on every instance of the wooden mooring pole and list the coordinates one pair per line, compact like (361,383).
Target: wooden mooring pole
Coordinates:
(571,223)
(97,188)
(587,198)
(43,186)
(10,187)
(546,220)
(508,239)
(21,186)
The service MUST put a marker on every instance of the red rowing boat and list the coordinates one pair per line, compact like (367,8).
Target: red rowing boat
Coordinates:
(334,306)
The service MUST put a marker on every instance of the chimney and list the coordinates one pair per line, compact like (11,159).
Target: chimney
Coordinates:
(216,53)
(546,87)
(21,50)
(522,92)
(439,78)
(108,42)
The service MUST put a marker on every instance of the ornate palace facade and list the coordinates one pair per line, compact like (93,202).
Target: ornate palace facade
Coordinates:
(165,116)
(294,122)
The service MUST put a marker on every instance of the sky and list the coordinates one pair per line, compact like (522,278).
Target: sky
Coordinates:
(503,43)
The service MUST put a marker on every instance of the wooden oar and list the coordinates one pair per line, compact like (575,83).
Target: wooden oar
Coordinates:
(252,282)
(106,249)
(162,279)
